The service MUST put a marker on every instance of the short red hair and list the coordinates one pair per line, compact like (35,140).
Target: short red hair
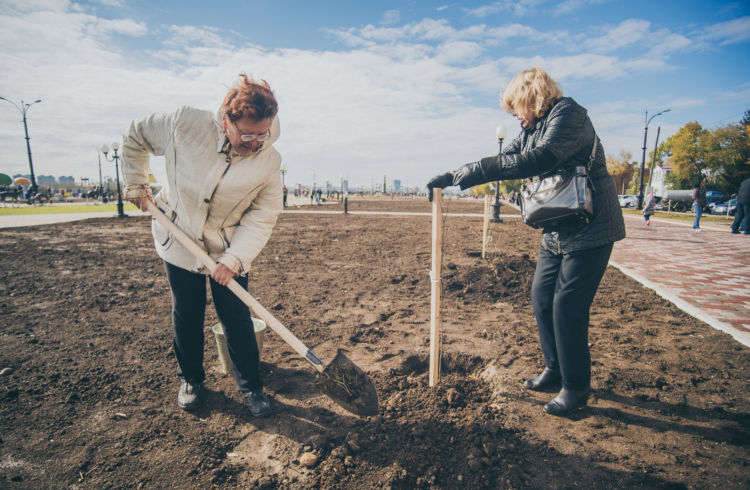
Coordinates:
(250,99)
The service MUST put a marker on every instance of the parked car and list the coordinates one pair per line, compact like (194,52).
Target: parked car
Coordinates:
(627,200)
(721,208)
(715,197)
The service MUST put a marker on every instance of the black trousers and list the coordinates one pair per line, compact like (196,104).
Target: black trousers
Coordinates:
(188,311)
(562,292)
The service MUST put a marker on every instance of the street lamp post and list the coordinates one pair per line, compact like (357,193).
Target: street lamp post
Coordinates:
(643,158)
(101,183)
(85,185)
(24,108)
(501,132)
(282,169)
(115,158)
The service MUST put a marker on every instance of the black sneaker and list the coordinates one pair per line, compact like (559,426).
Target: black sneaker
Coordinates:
(258,403)
(190,395)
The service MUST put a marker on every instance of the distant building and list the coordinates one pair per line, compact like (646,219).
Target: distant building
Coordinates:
(66,179)
(658,180)
(397,186)
(46,180)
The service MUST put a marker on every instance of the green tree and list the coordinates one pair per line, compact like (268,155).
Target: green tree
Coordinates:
(727,154)
(686,151)
(483,189)
(506,186)
(745,121)
(622,169)
(722,155)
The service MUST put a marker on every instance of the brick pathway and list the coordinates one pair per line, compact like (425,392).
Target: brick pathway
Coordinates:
(706,274)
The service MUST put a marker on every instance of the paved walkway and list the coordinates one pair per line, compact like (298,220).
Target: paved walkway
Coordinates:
(706,274)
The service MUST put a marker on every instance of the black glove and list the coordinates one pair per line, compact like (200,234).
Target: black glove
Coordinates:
(469,175)
(441,181)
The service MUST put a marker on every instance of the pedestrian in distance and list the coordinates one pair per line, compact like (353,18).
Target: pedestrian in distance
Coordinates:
(649,207)
(556,133)
(699,202)
(223,189)
(742,215)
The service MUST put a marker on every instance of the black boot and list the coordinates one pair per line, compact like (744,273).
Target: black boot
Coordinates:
(189,396)
(258,403)
(548,379)
(567,400)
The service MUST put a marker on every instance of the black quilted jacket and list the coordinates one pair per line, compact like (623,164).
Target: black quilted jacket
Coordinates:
(562,138)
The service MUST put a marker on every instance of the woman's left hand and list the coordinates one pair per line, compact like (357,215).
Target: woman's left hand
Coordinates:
(222,274)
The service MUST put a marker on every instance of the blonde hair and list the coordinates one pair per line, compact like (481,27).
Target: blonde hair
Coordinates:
(531,89)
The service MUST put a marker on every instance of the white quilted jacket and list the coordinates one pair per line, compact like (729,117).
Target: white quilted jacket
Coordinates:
(227,205)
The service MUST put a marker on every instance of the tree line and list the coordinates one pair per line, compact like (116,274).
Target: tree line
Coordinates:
(721,155)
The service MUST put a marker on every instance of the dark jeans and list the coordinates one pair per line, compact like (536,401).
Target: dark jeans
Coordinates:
(188,310)
(742,216)
(563,289)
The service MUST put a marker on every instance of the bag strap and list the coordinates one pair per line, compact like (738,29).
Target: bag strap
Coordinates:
(593,153)
(588,166)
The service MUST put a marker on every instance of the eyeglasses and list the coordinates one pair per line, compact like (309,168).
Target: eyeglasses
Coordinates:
(250,137)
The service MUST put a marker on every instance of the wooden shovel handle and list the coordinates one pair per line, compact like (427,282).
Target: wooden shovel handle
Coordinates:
(241,293)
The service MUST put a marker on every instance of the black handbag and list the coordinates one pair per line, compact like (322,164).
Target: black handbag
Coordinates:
(562,198)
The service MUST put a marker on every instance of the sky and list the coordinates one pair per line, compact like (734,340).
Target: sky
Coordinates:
(394,90)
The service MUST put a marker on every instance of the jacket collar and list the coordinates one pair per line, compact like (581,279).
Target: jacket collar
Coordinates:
(222,142)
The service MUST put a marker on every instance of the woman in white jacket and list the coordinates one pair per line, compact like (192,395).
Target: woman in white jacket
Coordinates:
(223,189)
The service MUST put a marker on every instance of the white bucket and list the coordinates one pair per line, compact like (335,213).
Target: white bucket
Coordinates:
(221,342)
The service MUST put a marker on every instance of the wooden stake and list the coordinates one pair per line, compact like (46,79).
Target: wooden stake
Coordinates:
(485,224)
(437,258)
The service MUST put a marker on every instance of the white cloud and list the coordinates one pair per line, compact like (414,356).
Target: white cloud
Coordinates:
(391,17)
(355,110)
(664,42)
(513,7)
(561,68)
(686,103)
(739,94)
(20,7)
(424,30)
(627,33)
(573,5)
(459,52)
(636,34)
(118,26)
(192,35)
(508,31)
(730,32)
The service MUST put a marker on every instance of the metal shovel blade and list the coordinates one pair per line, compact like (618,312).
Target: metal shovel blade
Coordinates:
(349,386)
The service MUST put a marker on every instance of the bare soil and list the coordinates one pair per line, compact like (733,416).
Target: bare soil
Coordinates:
(88,385)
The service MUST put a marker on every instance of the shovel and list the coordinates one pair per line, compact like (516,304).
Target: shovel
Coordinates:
(342,380)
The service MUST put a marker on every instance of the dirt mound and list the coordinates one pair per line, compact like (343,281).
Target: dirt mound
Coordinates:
(502,277)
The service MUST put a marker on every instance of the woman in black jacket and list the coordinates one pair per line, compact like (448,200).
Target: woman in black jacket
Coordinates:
(557,133)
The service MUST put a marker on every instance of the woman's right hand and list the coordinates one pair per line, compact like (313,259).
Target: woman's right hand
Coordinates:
(140,195)
(142,202)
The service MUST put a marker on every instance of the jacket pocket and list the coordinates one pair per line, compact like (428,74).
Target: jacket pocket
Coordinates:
(162,237)
(226,234)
